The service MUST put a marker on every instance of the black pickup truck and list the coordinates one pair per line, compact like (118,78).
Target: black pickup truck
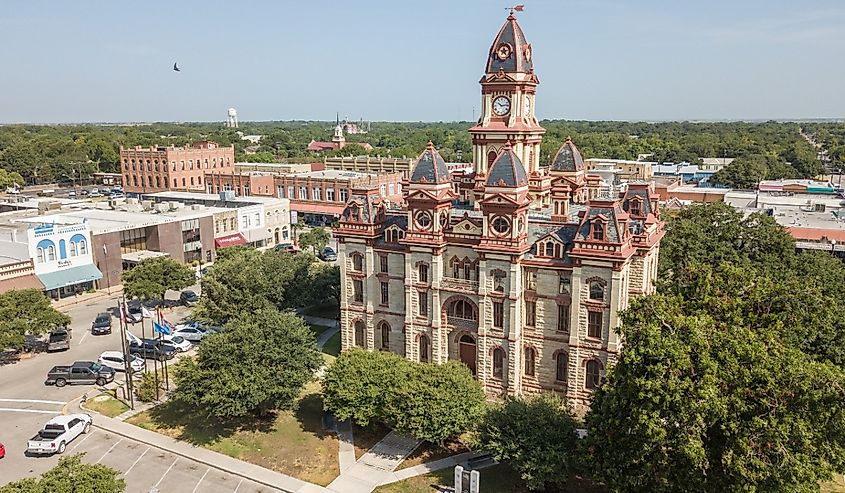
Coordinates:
(81,372)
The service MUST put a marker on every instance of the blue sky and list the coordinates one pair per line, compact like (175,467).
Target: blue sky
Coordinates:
(105,60)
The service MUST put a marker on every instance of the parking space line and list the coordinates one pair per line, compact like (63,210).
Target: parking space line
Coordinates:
(165,472)
(34,401)
(80,442)
(239,486)
(83,337)
(200,482)
(126,473)
(38,411)
(109,450)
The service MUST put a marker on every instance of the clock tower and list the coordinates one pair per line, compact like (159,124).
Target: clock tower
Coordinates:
(508,88)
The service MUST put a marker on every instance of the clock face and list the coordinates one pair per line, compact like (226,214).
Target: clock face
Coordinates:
(526,106)
(423,219)
(501,105)
(501,225)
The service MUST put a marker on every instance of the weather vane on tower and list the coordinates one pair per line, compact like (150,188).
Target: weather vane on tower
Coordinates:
(516,8)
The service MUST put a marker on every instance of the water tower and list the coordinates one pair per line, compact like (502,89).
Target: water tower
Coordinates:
(232,118)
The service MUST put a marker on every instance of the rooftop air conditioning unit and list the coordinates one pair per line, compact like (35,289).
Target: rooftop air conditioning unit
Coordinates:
(162,207)
(147,204)
(196,207)
(175,205)
(132,201)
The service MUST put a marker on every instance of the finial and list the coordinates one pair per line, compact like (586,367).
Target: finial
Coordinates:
(430,145)
(569,139)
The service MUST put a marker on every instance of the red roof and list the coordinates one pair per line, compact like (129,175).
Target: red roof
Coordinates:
(316,145)
(317,208)
(816,234)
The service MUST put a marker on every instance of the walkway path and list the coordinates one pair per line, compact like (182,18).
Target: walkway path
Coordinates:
(346,456)
(376,466)
(323,338)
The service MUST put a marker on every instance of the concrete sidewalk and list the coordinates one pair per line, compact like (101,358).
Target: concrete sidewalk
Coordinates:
(376,466)
(204,456)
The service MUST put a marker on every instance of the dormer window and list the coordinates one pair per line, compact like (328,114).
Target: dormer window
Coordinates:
(550,249)
(635,206)
(598,229)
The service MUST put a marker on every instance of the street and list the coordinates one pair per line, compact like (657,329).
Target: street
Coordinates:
(26,403)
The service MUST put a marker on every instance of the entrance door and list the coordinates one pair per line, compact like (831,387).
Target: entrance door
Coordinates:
(467,351)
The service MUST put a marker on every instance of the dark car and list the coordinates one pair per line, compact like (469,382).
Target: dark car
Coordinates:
(101,324)
(189,298)
(81,372)
(152,349)
(135,312)
(328,254)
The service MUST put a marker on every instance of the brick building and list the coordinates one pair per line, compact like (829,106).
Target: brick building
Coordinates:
(524,284)
(156,169)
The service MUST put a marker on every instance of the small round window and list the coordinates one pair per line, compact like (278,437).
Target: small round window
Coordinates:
(424,219)
(501,225)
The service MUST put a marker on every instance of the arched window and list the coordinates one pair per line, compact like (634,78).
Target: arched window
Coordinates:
(491,156)
(42,255)
(463,309)
(593,378)
(561,366)
(596,290)
(550,249)
(158,181)
(360,341)
(357,262)
(530,357)
(498,362)
(74,251)
(424,349)
(175,183)
(51,253)
(83,247)
(384,330)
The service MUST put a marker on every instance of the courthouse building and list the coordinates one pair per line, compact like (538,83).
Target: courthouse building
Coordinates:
(518,270)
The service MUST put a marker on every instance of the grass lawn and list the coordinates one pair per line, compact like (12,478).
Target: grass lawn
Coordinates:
(293,442)
(835,486)
(428,452)
(332,346)
(318,329)
(106,404)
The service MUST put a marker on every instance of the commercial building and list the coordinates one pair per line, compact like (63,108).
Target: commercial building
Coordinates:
(371,164)
(627,170)
(525,284)
(159,168)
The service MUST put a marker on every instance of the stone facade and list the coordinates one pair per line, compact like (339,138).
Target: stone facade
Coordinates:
(526,290)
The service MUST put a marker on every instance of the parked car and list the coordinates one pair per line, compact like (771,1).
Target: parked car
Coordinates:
(83,192)
(286,247)
(136,314)
(114,360)
(152,349)
(58,432)
(117,188)
(59,339)
(2,450)
(80,372)
(189,298)
(177,341)
(101,324)
(192,332)
(71,194)
(328,254)
(95,194)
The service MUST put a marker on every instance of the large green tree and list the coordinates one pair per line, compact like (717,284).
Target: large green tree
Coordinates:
(699,404)
(435,403)
(535,436)
(71,475)
(26,312)
(153,277)
(359,383)
(315,238)
(258,364)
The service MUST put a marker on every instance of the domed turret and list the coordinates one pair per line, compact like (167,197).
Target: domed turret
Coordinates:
(507,170)
(567,158)
(430,167)
(509,51)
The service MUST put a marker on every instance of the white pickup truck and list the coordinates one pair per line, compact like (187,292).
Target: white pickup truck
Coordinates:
(57,433)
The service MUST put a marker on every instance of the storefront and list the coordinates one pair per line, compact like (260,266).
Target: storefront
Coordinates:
(236,239)
(63,259)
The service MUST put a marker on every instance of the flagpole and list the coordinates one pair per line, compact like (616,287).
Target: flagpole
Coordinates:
(127,368)
(155,361)
(166,375)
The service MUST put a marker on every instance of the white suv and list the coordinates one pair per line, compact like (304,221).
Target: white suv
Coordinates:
(114,359)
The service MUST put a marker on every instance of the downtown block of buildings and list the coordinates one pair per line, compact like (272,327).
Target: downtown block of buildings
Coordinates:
(517,268)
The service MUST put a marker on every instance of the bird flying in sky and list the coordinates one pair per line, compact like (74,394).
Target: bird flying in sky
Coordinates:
(176,67)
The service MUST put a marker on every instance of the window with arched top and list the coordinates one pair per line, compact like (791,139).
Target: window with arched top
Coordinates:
(74,251)
(83,247)
(596,290)
(42,255)
(357,262)
(530,357)
(424,349)
(561,366)
(550,249)
(384,332)
(491,156)
(463,309)
(360,339)
(593,375)
(498,362)
(598,230)
(51,253)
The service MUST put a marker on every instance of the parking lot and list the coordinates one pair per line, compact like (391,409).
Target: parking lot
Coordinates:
(148,469)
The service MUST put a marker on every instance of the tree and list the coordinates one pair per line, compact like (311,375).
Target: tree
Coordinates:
(10,179)
(535,436)
(315,238)
(71,475)
(152,277)
(358,384)
(26,312)
(435,403)
(325,283)
(258,364)
(698,404)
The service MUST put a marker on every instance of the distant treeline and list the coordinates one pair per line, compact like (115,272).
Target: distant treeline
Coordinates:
(62,153)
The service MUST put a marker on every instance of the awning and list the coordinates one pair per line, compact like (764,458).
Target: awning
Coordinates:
(257,234)
(230,240)
(70,276)
(318,208)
